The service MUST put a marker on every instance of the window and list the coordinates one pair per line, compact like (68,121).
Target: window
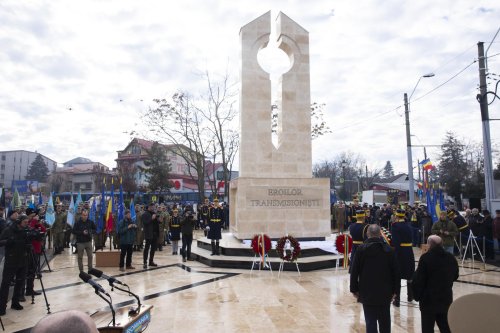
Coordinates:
(3,157)
(2,176)
(2,167)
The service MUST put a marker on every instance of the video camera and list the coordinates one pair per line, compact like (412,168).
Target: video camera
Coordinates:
(33,234)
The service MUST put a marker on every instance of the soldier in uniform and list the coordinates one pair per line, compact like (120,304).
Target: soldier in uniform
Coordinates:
(358,233)
(175,230)
(204,209)
(215,223)
(402,243)
(58,229)
(462,225)
(163,219)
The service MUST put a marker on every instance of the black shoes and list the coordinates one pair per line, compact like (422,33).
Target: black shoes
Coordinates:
(396,302)
(152,264)
(145,266)
(184,260)
(16,306)
(33,293)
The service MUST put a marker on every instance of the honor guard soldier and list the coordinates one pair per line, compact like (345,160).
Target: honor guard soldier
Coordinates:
(215,223)
(358,233)
(204,210)
(175,230)
(402,243)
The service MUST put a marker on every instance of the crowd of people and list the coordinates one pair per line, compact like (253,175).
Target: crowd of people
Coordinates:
(382,255)
(24,236)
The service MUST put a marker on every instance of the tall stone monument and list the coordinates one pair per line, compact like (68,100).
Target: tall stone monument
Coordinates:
(275,192)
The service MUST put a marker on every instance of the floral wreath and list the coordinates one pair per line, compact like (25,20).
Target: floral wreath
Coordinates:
(283,254)
(257,242)
(340,243)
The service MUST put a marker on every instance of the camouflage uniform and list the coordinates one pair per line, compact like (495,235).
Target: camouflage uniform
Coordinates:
(58,231)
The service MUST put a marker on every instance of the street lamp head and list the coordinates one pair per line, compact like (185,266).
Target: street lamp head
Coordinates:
(428,75)
(344,164)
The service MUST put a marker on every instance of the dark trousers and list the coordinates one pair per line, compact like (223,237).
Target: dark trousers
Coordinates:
(415,236)
(125,249)
(430,317)
(187,239)
(380,314)
(8,275)
(149,248)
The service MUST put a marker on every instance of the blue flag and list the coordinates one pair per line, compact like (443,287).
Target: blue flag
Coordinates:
(121,204)
(50,215)
(40,199)
(441,200)
(78,200)
(93,210)
(133,216)
(71,212)
(102,210)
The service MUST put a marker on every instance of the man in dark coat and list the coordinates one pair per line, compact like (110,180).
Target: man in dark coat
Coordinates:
(487,233)
(83,231)
(215,223)
(17,247)
(151,232)
(433,285)
(126,229)
(375,280)
(187,225)
(402,243)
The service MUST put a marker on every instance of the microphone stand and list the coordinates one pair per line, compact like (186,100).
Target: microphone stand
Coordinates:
(131,312)
(110,303)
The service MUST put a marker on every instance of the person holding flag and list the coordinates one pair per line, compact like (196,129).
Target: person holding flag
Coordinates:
(58,229)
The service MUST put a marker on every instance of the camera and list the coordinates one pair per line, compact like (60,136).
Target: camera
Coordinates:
(33,234)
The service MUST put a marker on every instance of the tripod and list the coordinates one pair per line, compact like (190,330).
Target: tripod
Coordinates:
(36,273)
(471,241)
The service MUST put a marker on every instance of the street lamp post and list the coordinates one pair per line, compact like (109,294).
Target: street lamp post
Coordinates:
(411,185)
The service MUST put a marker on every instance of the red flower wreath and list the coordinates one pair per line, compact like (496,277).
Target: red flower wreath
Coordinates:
(340,243)
(288,256)
(257,246)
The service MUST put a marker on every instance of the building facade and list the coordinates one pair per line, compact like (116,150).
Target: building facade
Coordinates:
(14,165)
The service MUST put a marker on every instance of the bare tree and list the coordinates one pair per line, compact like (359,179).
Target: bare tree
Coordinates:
(219,111)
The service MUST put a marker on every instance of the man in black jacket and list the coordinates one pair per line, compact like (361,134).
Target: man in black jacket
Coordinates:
(433,285)
(16,243)
(375,280)
(151,233)
(83,230)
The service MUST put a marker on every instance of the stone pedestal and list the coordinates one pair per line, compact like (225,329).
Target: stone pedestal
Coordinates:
(107,258)
(299,207)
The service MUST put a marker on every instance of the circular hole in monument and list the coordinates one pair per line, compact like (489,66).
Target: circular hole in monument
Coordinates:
(273,60)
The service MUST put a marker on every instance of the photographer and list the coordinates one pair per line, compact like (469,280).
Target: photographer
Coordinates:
(187,226)
(17,244)
(83,230)
(37,233)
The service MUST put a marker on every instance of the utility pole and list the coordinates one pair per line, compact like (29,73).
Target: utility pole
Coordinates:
(411,190)
(483,103)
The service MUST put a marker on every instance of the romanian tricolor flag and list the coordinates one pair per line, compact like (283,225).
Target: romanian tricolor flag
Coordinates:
(426,164)
(109,217)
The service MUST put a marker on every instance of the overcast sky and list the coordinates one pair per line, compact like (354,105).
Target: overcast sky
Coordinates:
(75,74)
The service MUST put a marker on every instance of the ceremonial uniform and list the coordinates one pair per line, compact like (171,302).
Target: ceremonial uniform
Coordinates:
(402,243)
(204,210)
(358,233)
(175,230)
(215,223)
(163,222)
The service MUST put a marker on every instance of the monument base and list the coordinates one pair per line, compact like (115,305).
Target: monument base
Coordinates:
(299,207)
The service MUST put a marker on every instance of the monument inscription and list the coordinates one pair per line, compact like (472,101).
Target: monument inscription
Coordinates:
(279,198)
